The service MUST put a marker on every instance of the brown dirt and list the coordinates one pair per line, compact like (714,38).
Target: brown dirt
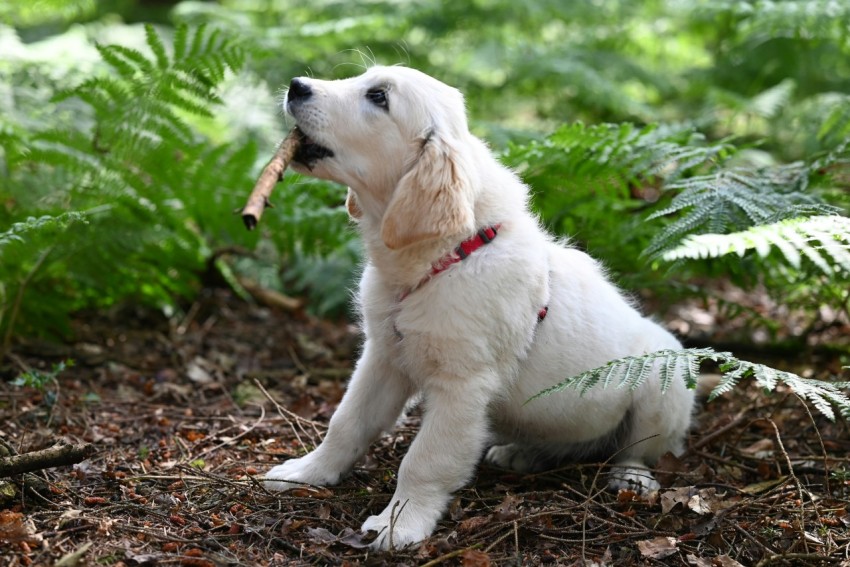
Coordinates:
(184,429)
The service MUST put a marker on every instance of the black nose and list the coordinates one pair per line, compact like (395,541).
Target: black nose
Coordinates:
(298,90)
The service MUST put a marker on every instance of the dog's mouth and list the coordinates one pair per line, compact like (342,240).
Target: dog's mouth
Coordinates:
(309,151)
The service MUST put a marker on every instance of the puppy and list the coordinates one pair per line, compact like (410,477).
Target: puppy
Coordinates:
(468,303)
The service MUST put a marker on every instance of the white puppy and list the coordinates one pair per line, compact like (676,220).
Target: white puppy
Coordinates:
(467,302)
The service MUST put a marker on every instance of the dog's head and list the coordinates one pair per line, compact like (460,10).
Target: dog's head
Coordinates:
(399,139)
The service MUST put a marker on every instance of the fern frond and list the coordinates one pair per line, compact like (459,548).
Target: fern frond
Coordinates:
(731,200)
(16,232)
(156,45)
(824,240)
(632,371)
(767,104)
(126,61)
(181,33)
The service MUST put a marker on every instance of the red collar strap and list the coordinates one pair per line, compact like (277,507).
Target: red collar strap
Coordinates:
(459,254)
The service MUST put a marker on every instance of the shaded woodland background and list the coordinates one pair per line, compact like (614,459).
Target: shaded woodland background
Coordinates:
(700,149)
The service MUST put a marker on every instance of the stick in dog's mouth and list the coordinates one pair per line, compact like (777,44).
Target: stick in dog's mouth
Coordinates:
(258,200)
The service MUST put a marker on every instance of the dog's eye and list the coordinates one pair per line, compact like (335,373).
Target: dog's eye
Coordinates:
(378,97)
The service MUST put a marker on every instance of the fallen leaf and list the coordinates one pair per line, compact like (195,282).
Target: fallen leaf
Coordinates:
(657,548)
(472,524)
(354,539)
(625,496)
(671,498)
(698,561)
(317,492)
(507,510)
(15,529)
(702,501)
(667,467)
(321,536)
(475,558)
(197,373)
(761,449)
(706,501)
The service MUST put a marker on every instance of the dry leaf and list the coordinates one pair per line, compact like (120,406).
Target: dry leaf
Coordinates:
(507,510)
(472,524)
(15,529)
(762,449)
(197,373)
(317,492)
(702,501)
(321,536)
(671,498)
(354,539)
(475,558)
(698,561)
(657,548)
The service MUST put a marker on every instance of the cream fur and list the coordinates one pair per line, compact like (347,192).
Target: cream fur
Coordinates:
(468,341)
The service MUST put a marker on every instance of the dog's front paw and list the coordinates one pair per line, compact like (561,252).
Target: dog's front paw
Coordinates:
(298,472)
(401,526)
(634,478)
(512,457)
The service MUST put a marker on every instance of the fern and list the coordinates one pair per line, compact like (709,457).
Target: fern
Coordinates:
(617,153)
(632,371)
(130,145)
(759,20)
(733,199)
(823,240)
(40,224)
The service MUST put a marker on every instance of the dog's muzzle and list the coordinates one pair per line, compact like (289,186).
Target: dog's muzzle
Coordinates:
(309,152)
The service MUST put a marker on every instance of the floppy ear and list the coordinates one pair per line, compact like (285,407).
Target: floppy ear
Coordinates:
(351,205)
(433,199)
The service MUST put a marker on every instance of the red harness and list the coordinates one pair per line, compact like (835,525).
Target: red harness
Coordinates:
(461,253)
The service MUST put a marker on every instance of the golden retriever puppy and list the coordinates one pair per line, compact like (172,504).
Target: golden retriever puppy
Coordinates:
(469,304)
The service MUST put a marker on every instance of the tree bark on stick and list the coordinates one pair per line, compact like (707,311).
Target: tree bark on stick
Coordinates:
(56,456)
(271,175)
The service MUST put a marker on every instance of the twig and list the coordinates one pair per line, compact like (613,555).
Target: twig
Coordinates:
(820,441)
(797,559)
(272,173)
(797,483)
(56,456)
(498,540)
(705,440)
(451,555)
(286,415)
(232,439)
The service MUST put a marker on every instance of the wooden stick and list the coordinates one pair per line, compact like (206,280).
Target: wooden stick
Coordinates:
(56,456)
(271,175)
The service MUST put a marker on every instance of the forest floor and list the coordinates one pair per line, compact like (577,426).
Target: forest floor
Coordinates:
(182,418)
